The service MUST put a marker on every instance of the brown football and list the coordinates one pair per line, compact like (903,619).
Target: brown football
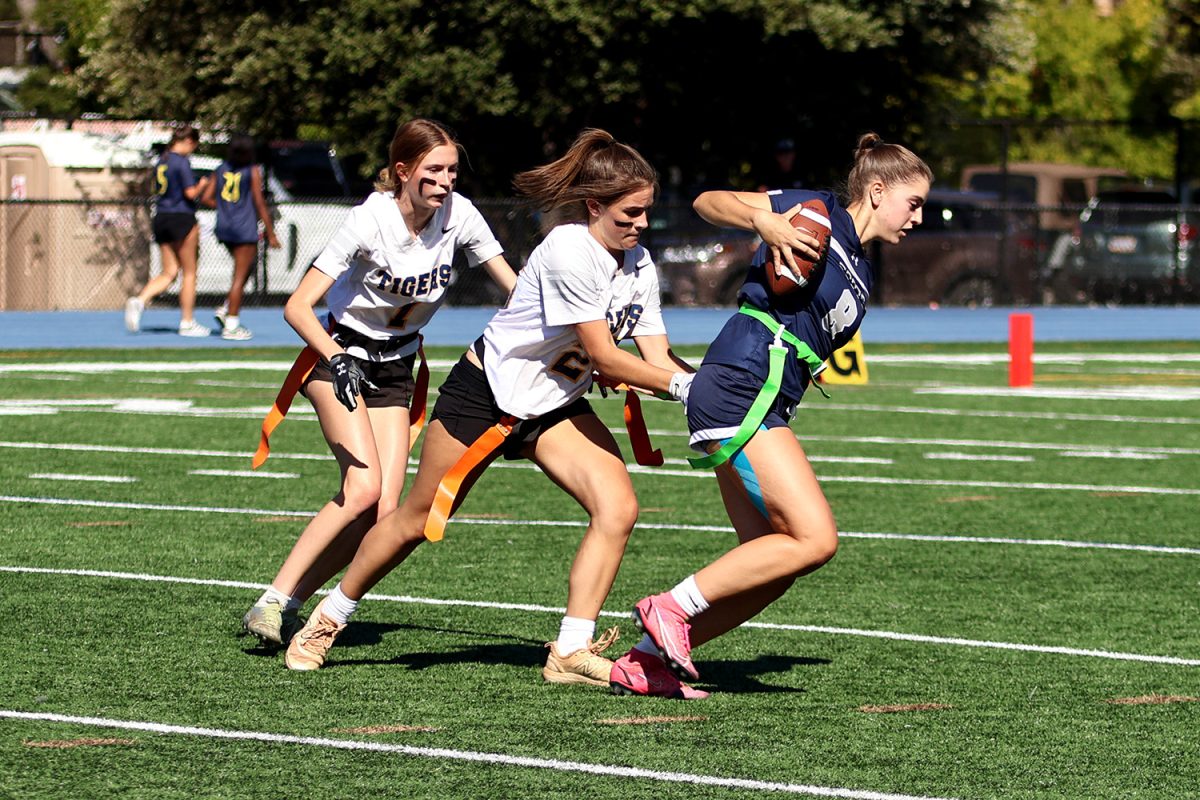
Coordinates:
(813,217)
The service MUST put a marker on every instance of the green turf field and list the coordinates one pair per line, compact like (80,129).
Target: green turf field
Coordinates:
(1012,613)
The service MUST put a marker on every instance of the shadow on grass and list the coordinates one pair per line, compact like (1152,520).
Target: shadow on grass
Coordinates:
(510,650)
(731,676)
(742,677)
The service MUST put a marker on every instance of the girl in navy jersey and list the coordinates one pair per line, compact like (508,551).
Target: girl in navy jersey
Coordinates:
(175,230)
(519,392)
(382,276)
(237,194)
(746,392)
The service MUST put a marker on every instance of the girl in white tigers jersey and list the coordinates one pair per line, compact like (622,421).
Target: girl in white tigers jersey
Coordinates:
(383,276)
(587,286)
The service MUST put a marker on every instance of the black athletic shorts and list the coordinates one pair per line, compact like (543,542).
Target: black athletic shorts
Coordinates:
(170,228)
(467,408)
(394,379)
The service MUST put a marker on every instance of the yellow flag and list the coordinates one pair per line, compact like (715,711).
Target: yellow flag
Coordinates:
(847,365)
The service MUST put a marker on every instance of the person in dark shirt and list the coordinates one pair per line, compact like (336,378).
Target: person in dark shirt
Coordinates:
(746,391)
(237,194)
(175,230)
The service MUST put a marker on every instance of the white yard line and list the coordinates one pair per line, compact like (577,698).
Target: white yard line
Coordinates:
(63,476)
(534,608)
(470,756)
(579,523)
(976,457)
(128,406)
(694,474)
(242,473)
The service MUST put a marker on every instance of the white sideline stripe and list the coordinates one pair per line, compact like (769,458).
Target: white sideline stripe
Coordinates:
(27,411)
(549,523)
(1112,454)
(445,754)
(242,473)
(175,367)
(156,451)
(1142,392)
(534,608)
(1058,487)
(1061,447)
(976,457)
(65,476)
(1179,451)
(673,473)
(962,412)
(112,407)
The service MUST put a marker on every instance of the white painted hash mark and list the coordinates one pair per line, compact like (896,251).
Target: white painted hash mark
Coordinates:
(471,756)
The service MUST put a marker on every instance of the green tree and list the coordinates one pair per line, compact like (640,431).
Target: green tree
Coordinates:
(1133,68)
(697,84)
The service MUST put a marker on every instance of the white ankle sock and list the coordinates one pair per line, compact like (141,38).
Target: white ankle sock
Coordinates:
(687,594)
(338,607)
(231,321)
(273,595)
(573,634)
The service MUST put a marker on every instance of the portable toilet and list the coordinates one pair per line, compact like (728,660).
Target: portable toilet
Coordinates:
(74,224)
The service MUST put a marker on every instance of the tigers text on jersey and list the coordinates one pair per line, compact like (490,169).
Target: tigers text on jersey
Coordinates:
(533,357)
(825,314)
(387,282)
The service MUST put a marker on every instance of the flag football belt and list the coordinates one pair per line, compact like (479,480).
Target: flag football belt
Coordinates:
(303,366)
(770,389)
(483,449)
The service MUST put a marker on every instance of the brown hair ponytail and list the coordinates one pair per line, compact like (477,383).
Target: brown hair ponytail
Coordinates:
(595,167)
(876,160)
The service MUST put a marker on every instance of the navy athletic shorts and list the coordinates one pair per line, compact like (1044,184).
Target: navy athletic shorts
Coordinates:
(719,400)
(170,228)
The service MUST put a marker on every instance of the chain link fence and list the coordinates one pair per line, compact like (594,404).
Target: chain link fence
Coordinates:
(969,252)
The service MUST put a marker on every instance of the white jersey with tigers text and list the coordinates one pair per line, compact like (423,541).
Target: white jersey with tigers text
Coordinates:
(533,357)
(388,283)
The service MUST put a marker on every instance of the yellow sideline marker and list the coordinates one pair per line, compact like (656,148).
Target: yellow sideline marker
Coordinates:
(847,365)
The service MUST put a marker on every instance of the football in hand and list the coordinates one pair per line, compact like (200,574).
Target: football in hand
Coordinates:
(813,218)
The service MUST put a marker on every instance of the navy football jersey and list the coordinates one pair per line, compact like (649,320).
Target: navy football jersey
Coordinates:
(237,218)
(172,176)
(825,314)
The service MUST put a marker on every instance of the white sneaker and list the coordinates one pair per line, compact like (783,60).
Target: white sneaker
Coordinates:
(220,314)
(133,314)
(193,328)
(239,334)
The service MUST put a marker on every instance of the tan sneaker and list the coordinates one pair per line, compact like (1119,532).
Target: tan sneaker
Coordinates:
(311,643)
(585,666)
(271,623)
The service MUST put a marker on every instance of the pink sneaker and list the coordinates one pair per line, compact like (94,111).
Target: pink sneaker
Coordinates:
(643,674)
(661,618)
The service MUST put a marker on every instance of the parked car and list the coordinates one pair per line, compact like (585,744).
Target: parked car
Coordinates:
(969,250)
(698,265)
(1134,244)
(1061,188)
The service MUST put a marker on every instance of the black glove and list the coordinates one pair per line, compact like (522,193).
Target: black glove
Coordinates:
(348,379)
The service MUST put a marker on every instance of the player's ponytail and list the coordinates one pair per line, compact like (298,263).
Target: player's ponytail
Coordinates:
(876,160)
(595,167)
